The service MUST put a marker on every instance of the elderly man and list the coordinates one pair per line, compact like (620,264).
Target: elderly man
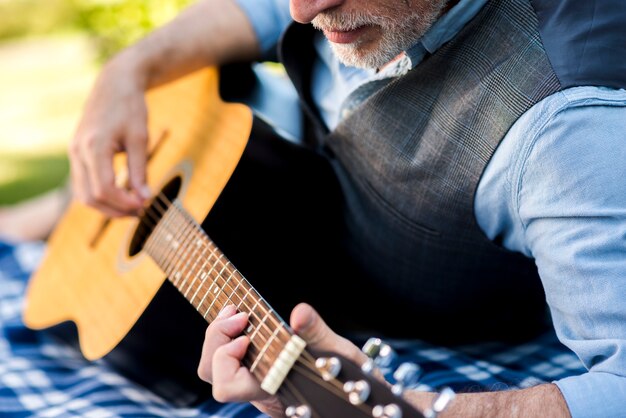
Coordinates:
(478,148)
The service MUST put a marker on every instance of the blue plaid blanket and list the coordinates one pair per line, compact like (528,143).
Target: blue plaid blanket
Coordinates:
(42,377)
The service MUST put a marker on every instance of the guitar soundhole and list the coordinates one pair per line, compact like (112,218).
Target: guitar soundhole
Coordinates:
(153,214)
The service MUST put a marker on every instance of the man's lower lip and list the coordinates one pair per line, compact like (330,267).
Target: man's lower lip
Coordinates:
(344,37)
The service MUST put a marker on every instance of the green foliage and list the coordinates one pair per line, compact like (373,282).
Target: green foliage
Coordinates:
(115,24)
(112,24)
(20,18)
(31,176)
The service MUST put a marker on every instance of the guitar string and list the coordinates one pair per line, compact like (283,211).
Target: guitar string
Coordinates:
(161,198)
(307,362)
(215,279)
(253,346)
(334,387)
(217,276)
(297,395)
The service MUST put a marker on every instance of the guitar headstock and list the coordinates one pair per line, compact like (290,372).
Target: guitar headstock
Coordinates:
(322,385)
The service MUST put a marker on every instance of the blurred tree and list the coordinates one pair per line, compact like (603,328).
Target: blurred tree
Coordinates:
(114,24)
(111,24)
(43,81)
(20,18)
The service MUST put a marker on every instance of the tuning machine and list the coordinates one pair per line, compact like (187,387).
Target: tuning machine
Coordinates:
(329,367)
(380,354)
(440,403)
(406,375)
(302,411)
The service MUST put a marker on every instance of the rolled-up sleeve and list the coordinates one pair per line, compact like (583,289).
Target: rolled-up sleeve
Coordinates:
(571,195)
(269,18)
(555,191)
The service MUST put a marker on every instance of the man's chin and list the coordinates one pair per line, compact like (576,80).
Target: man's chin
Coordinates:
(354,55)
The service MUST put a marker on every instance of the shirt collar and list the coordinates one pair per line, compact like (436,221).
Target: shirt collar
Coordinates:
(444,29)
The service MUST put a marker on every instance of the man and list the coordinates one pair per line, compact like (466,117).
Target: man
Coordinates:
(481,143)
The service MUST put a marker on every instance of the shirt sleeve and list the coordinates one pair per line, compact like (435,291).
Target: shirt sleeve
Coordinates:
(558,195)
(269,18)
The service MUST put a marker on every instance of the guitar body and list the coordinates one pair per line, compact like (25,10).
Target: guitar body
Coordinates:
(89,275)
(273,207)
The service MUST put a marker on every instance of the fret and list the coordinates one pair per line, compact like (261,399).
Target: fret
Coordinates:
(200,274)
(180,248)
(204,275)
(188,268)
(236,287)
(169,235)
(244,297)
(196,266)
(259,326)
(184,258)
(220,289)
(259,357)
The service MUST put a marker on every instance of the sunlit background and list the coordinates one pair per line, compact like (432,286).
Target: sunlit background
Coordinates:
(50,52)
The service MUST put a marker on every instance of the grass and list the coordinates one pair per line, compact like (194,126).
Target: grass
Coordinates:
(25,176)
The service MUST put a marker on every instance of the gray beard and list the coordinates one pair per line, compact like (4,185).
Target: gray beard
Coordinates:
(396,36)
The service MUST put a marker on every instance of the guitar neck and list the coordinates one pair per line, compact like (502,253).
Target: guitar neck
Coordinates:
(209,281)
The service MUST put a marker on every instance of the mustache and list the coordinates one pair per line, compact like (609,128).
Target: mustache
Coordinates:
(345,21)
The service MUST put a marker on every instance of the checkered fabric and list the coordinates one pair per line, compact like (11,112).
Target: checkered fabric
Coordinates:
(43,378)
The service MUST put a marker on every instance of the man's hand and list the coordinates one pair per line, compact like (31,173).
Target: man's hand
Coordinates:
(207,33)
(224,348)
(114,120)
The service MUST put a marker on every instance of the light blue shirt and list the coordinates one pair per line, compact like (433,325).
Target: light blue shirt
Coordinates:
(555,190)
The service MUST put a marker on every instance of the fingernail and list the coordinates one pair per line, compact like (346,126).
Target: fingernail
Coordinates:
(144,191)
(227,311)
(237,317)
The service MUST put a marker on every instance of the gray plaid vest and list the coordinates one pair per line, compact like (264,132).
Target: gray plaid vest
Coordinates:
(410,158)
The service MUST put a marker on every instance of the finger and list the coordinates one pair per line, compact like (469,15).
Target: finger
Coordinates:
(136,151)
(222,330)
(104,193)
(308,324)
(232,381)
(80,185)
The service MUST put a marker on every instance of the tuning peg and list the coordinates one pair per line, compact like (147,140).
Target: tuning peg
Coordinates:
(302,411)
(329,367)
(380,354)
(388,411)
(358,391)
(440,403)
(406,375)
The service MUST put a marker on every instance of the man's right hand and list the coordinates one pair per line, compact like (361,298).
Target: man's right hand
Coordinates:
(207,33)
(114,120)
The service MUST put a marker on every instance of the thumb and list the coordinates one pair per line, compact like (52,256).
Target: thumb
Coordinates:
(309,325)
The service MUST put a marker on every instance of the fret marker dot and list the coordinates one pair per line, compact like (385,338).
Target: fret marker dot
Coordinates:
(199,242)
(168,237)
(175,244)
(203,276)
(216,290)
(177,275)
(249,329)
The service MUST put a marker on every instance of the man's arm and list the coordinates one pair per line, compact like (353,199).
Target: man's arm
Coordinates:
(211,32)
(223,351)
(554,191)
(539,401)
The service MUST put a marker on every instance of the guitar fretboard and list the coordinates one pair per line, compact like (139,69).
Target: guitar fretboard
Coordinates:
(208,280)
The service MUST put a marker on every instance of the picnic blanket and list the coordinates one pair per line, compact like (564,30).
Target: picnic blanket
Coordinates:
(42,377)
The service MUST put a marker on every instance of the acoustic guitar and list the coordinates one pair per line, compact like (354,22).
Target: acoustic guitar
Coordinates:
(102,273)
